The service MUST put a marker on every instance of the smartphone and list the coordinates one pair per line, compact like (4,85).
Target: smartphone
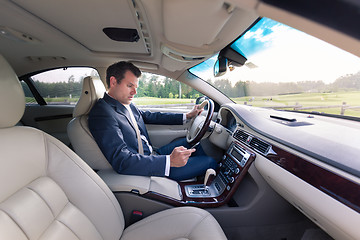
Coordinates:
(195,145)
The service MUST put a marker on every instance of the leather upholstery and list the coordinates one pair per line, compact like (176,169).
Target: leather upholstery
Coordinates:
(12,96)
(176,223)
(78,130)
(48,192)
(93,89)
(85,146)
(127,183)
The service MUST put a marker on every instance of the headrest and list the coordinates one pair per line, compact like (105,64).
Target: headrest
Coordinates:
(93,89)
(12,98)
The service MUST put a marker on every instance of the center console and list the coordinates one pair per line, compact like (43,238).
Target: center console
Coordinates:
(232,169)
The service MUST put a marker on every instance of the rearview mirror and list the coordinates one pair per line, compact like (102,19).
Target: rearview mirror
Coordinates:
(226,57)
(220,66)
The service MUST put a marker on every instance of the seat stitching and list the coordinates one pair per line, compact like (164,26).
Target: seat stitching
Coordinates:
(15,223)
(68,228)
(84,127)
(46,202)
(85,173)
(49,140)
(46,153)
(31,180)
(57,220)
(82,213)
(205,217)
(82,170)
(54,217)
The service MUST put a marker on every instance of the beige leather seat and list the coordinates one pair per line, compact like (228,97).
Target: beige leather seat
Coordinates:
(48,192)
(86,147)
(78,130)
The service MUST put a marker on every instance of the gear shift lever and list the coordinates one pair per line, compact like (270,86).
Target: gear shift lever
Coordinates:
(208,173)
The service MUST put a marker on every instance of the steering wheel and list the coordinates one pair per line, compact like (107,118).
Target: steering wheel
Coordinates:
(200,124)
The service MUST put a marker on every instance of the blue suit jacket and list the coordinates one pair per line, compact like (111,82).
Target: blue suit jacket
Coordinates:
(113,130)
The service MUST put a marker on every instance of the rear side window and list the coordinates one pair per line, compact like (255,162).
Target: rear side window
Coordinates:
(29,97)
(59,86)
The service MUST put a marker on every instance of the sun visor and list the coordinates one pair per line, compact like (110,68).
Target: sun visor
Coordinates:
(198,28)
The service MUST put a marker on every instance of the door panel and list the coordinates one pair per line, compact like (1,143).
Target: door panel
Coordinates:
(50,119)
(161,135)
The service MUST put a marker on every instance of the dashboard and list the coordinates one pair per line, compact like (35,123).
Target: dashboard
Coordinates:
(233,167)
(299,154)
(230,122)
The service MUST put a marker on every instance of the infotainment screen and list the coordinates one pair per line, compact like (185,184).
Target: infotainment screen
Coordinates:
(239,155)
(236,155)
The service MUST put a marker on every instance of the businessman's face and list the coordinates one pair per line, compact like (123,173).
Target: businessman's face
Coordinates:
(124,91)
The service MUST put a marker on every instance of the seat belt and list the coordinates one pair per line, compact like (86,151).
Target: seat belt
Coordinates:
(140,145)
(141,149)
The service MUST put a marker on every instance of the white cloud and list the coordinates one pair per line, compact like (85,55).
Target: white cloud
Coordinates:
(295,56)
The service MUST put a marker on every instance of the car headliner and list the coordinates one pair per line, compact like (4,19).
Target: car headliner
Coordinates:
(174,35)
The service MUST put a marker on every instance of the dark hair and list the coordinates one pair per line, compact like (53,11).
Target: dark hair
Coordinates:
(119,69)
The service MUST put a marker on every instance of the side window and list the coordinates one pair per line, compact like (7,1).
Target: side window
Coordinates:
(29,97)
(159,91)
(59,86)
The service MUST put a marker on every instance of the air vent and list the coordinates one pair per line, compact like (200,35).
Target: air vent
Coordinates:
(142,22)
(254,142)
(241,136)
(259,145)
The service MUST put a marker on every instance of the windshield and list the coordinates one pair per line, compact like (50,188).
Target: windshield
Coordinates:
(288,69)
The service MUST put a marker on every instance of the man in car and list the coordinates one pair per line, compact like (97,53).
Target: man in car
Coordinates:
(118,127)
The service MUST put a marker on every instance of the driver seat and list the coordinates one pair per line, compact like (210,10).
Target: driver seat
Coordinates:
(86,147)
(78,129)
(49,192)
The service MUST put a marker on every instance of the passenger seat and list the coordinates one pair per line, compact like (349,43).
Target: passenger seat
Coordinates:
(49,192)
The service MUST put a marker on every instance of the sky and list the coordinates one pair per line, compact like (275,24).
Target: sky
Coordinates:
(60,75)
(284,54)
(290,55)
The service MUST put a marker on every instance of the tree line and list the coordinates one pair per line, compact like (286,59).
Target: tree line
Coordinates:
(151,85)
(251,88)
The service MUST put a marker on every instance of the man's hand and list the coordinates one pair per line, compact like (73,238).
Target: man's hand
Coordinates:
(194,112)
(180,156)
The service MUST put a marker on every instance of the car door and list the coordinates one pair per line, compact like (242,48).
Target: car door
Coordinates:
(51,96)
(162,94)
(160,135)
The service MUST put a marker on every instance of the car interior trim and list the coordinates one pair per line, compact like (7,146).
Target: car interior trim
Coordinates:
(338,187)
(310,153)
(53,117)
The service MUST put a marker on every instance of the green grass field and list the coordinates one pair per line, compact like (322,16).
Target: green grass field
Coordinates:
(351,98)
(304,99)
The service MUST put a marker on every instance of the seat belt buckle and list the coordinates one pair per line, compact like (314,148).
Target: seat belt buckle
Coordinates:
(136,216)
